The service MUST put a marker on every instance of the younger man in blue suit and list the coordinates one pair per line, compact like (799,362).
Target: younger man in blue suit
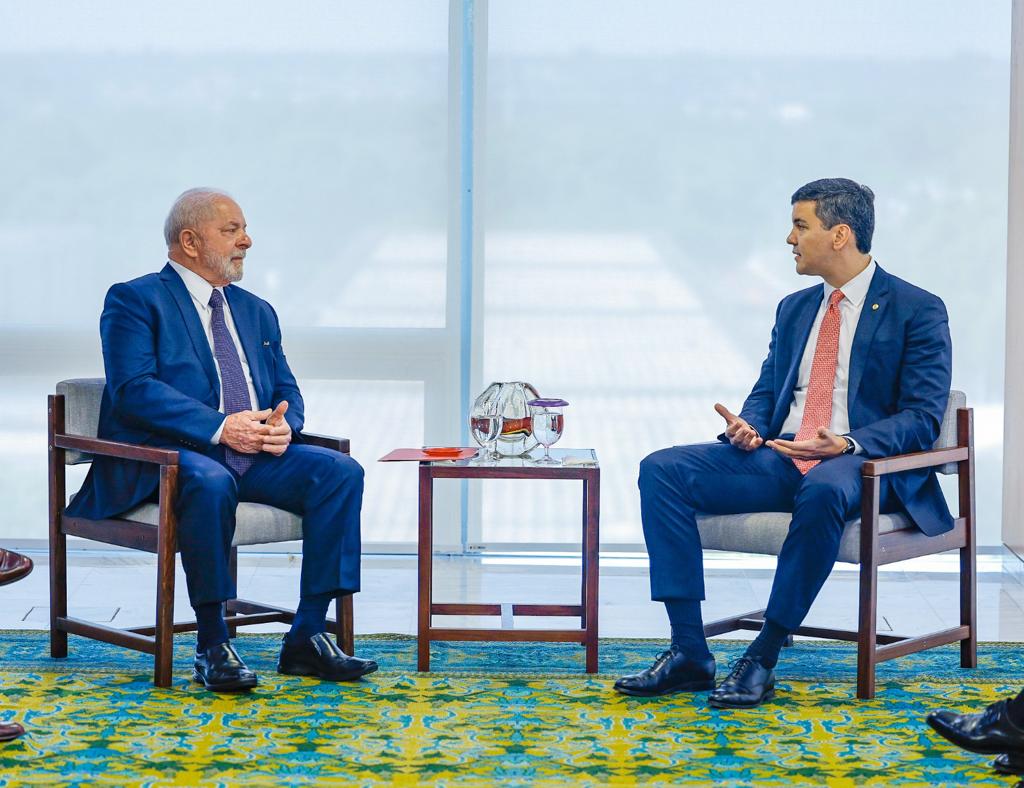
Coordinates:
(857,367)
(195,363)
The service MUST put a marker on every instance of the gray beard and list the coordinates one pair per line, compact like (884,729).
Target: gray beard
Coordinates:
(226,269)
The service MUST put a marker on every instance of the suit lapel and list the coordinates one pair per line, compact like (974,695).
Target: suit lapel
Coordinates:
(247,326)
(870,319)
(193,325)
(797,335)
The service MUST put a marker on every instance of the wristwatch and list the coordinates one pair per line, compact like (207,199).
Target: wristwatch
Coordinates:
(851,447)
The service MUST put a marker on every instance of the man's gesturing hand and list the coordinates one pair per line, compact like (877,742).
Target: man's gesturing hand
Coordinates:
(740,434)
(277,438)
(824,445)
(244,432)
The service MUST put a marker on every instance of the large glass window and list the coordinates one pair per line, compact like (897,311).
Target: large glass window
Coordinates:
(328,122)
(640,161)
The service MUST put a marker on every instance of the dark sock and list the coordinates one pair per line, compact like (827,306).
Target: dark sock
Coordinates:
(687,627)
(1015,710)
(211,628)
(766,646)
(311,617)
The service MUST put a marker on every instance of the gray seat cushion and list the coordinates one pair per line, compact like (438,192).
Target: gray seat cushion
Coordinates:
(764,533)
(255,523)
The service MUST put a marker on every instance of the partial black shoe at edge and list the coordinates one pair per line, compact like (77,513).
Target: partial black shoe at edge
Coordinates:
(319,656)
(1009,763)
(989,733)
(220,669)
(672,671)
(748,684)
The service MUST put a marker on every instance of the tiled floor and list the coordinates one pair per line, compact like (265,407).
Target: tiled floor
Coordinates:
(915,596)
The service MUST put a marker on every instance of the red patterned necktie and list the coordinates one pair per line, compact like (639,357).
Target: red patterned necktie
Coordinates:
(818,405)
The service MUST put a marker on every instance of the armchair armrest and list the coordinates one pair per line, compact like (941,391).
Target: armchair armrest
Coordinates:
(327,441)
(124,451)
(909,462)
(134,451)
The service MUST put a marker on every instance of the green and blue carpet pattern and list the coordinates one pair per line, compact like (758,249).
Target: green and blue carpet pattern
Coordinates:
(491,713)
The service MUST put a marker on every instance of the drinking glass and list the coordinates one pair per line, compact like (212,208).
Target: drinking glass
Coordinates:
(485,428)
(547,422)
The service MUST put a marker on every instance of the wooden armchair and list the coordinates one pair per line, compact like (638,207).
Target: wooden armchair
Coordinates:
(73,419)
(873,541)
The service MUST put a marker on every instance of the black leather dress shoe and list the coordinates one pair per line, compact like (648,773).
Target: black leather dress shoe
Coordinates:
(9,731)
(748,684)
(672,671)
(220,669)
(1009,763)
(13,566)
(319,656)
(988,733)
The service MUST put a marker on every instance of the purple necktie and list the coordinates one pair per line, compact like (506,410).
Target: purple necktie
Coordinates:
(232,379)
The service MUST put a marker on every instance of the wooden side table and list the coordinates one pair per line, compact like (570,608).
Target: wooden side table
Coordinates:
(586,610)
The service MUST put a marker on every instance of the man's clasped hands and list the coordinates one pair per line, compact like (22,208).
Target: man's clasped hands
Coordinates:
(253,431)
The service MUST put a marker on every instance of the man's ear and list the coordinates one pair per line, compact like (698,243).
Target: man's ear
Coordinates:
(841,236)
(189,242)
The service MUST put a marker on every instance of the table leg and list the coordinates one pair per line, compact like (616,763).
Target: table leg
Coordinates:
(426,555)
(583,562)
(591,548)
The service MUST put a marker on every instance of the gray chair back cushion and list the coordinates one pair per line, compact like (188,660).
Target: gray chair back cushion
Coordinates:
(255,523)
(82,397)
(947,433)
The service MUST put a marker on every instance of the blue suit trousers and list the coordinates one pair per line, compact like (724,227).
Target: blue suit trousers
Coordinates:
(324,487)
(717,478)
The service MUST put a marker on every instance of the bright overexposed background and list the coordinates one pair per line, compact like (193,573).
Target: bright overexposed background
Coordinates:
(637,164)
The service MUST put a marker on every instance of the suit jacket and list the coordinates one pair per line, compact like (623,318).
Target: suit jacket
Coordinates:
(900,372)
(162,385)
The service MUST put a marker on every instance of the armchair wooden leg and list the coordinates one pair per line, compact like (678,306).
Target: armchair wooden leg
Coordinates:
(58,594)
(164,635)
(233,569)
(867,625)
(58,540)
(968,563)
(968,606)
(166,543)
(344,630)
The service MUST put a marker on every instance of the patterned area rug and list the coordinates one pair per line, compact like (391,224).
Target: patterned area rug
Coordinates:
(509,714)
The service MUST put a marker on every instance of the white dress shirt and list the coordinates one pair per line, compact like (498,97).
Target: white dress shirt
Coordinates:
(854,294)
(200,290)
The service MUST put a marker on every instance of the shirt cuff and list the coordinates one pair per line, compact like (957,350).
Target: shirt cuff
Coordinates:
(856,446)
(216,436)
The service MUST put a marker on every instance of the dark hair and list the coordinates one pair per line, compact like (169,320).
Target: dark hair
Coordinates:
(842,201)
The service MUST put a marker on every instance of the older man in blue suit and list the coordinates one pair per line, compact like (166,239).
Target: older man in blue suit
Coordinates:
(194,363)
(858,367)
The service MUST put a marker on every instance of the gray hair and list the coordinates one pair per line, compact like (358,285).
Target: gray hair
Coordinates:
(192,207)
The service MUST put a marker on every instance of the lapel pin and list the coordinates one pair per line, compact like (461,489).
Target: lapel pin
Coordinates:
(874,306)
(267,343)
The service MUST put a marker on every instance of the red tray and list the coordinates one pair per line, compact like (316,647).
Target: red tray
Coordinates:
(429,454)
